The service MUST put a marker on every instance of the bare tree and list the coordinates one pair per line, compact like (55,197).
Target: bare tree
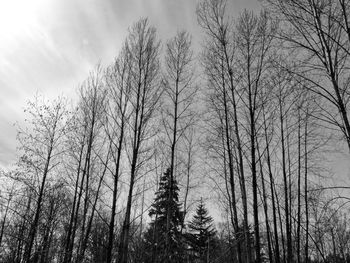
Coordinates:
(268,131)
(85,131)
(76,140)
(118,78)
(144,96)
(318,32)
(41,152)
(179,95)
(211,16)
(254,38)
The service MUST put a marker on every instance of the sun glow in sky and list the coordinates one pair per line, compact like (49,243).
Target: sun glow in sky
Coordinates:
(18,19)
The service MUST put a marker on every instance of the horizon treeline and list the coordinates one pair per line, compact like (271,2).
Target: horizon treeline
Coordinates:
(156,138)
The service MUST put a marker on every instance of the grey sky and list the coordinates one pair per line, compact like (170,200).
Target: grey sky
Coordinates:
(49,46)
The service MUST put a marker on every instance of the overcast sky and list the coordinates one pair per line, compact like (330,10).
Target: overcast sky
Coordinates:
(49,46)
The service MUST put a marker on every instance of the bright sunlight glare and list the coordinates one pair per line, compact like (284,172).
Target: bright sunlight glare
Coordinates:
(18,18)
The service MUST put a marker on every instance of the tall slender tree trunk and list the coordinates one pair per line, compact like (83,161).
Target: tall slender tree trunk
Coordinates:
(253,167)
(85,171)
(85,206)
(188,174)
(144,95)
(268,160)
(86,235)
(68,242)
(267,224)
(179,91)
(114,198)
(124,243)
(228,190)
(47,233)
(93,106)
(34,226)
(289,190)
(124,240)
(285,183)
(281,228)
(142,206)
(172,166)
(230,163)
(299,193)
(240,159)
(155,232)
(306,189)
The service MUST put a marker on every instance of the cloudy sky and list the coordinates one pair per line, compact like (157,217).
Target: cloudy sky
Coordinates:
(49,46)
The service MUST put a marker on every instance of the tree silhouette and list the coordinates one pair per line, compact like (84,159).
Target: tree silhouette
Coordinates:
(201,234)
(157,233)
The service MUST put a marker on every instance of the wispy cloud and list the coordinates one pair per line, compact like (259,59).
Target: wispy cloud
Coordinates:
(65,39)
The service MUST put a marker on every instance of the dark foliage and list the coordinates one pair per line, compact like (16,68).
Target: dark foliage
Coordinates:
(201,236)
(155,237)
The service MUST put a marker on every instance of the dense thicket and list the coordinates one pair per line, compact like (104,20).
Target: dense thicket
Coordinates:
(118,177)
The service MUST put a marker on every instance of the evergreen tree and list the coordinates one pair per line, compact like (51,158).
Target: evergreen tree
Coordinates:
(201,235)
(155,237)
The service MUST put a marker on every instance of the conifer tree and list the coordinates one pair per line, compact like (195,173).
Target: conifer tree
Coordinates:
(202,234)
(156,235)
